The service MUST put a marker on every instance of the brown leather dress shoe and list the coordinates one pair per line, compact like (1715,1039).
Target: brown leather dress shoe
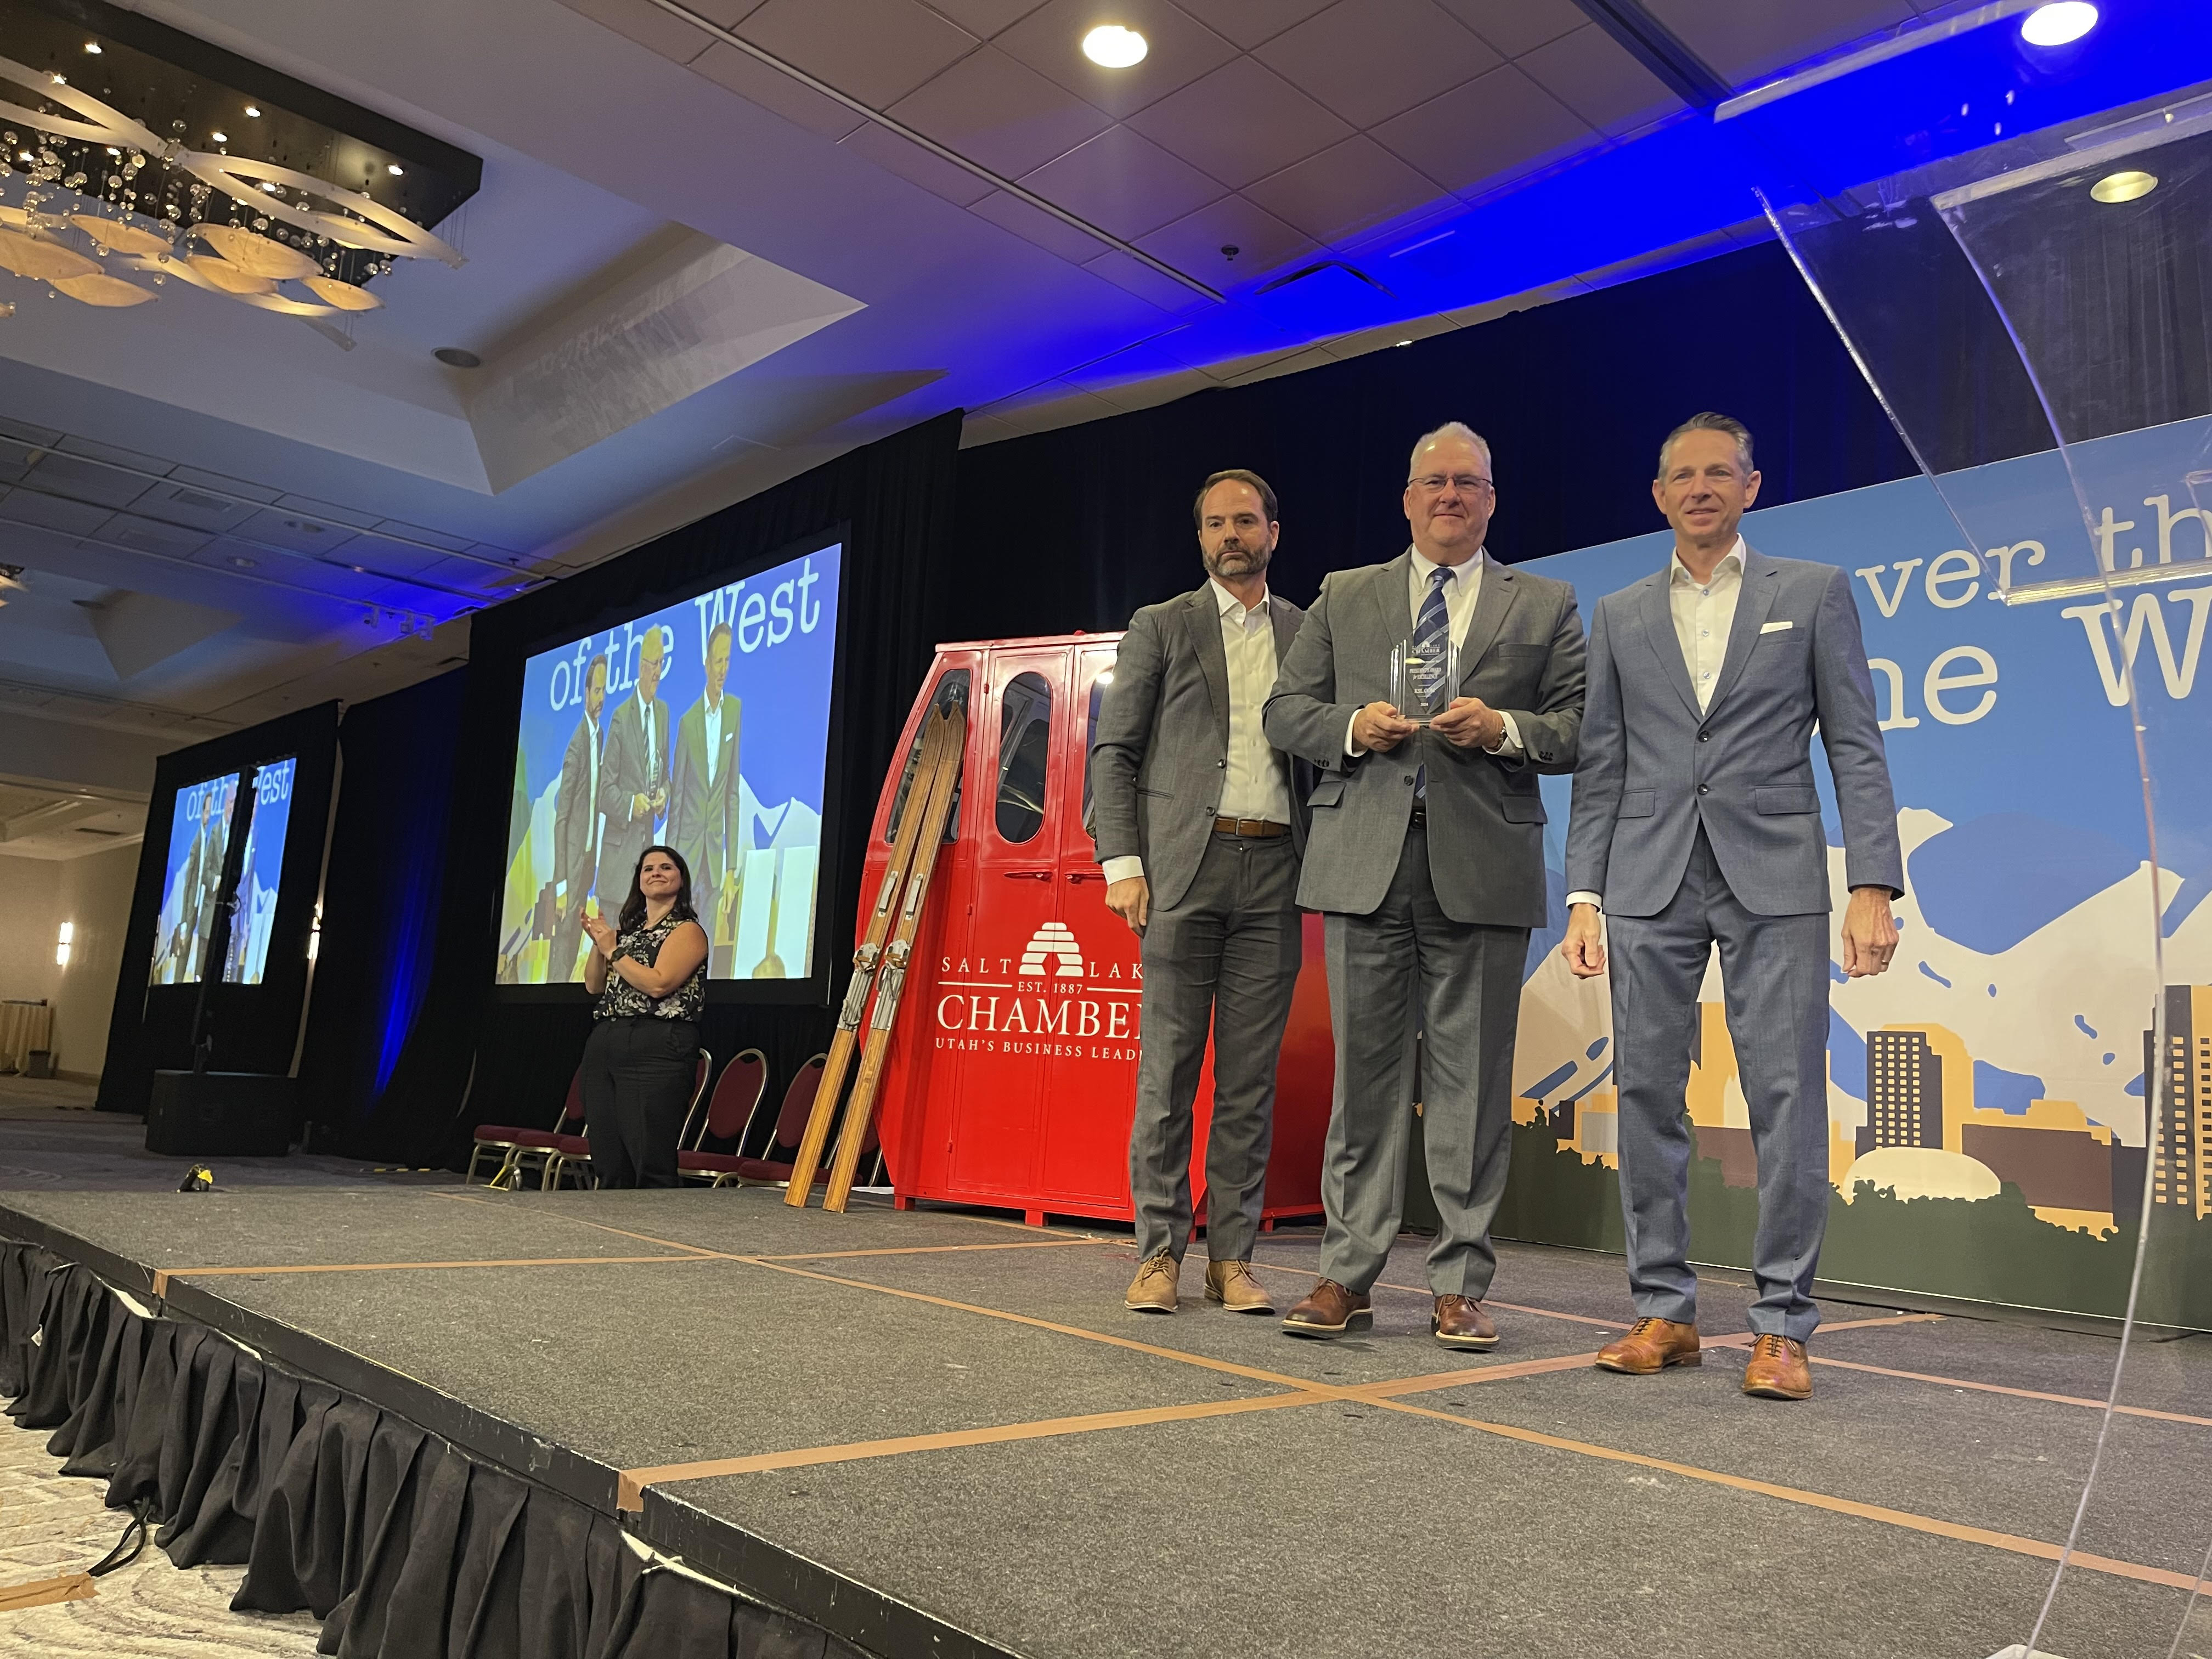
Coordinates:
(1153,1289)
(1778,1370)
(1232,1284)
(1652,1345)
(1328,1311)
(1460,1322)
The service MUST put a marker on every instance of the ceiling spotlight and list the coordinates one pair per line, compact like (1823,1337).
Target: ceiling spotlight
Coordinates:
(2127,186)
(455,357)
(93,47)
(268,186)
(220,137)
(2057,24)
(255,110)
(1111,46)
(245,563)
(394,169)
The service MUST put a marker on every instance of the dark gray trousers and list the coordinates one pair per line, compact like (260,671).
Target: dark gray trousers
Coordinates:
(1409,967)
(638,1078)
(1775,971)
(1227,953)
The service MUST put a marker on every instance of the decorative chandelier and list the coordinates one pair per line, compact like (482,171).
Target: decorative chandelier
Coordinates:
(116,200)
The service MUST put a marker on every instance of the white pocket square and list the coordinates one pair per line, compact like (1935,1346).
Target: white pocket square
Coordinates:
(1773,627)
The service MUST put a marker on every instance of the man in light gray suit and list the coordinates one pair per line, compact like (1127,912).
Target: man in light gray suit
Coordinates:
(703,801)
(1198,834)
(1426,855)
(1696,823)
(576,823)
(634,781)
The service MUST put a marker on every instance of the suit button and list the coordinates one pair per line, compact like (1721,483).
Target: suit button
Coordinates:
(1409,777)
(1705,736)
(1703,789)
(1221,763)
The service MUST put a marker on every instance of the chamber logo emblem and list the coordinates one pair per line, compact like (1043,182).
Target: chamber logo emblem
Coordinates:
(1053,941)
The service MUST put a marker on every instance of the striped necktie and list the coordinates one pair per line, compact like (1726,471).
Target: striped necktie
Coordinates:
(1433,644)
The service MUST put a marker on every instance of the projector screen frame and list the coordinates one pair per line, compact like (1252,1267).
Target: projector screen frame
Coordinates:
(815,987)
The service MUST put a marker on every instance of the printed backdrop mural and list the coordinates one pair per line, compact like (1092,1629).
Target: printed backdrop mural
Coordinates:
(1988,1119)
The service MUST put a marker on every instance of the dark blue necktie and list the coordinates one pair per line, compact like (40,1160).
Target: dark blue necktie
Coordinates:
(1433,644)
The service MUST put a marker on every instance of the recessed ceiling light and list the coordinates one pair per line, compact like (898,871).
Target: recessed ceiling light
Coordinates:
(2057,24)
(394,169)
(2127,186)
(1111,46)
(93,47)
(220,137)
(245,563)
(1405,342)
(456,357)
(255,110)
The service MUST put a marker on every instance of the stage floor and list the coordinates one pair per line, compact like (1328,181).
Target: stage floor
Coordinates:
(936,1431)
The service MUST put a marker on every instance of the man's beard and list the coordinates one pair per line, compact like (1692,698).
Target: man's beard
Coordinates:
(1255,563)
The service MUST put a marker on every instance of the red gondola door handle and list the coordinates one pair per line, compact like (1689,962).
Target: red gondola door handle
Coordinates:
(1027,875)
(1086,875)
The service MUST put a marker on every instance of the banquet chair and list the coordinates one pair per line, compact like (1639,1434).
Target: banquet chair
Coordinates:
(736,1101)
(767,1169)
(515,1143)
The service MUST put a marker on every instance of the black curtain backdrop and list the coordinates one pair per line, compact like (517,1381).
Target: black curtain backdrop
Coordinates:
(1075,529)
(415,900)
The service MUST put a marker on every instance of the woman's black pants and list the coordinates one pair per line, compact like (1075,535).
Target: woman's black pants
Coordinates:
(638,1078)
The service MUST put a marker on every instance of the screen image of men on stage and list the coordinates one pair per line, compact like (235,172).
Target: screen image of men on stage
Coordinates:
(704,725)
(200,834)
(261,867)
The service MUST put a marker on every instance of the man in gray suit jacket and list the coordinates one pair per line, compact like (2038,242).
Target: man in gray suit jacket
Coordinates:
(1696,823)
(1197,832)
(634,781)
(576,823)
(1426,855)
(703,800)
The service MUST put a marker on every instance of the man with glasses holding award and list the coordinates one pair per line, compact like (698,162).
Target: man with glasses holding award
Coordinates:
(1432,690)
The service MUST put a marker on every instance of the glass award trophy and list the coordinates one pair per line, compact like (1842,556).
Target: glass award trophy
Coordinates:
(1423,683)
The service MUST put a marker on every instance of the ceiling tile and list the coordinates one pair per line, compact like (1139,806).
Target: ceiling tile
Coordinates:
(1344,189)
(278,526)
(984,18)
(1141,280)
(1514,27)
(221,483)
(1749,40)
(1055,236)
(1000,113)
(1501,123)
(1369,59)
(1240,122)
(915,165)
(1050,41)
(1249,22)
(28,507)
(727,13)
(1193,244)
(1123,183)
(1597,79)
(773,91)
(878,50)
(647,24)
(1297,362)
(152,536)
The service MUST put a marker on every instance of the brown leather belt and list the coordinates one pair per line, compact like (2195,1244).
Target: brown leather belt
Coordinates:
(1257,829)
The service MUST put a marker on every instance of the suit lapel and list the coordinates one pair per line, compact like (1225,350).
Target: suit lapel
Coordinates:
(1755,602)
(1392,603)
(1498,592)
(1658,618)
(1202,617)
(1285,624)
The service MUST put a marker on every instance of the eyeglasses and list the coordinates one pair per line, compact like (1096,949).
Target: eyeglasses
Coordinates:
(1466,483)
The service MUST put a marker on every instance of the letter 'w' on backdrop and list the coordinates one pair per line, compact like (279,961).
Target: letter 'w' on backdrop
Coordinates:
(2020,1110)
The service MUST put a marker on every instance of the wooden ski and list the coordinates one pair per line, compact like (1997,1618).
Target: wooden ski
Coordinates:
(929,762)
(862,1107)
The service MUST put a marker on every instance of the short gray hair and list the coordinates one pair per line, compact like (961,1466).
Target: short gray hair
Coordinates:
(1709,422)
(1457,431)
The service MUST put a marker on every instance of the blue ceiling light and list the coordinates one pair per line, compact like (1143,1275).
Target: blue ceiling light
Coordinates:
(2056,24)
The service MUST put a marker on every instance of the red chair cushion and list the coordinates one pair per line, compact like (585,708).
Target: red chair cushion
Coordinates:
(710,1163)
(503,1133)
(570,1145)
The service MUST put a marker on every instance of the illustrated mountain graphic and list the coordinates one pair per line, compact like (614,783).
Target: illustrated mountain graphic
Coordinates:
(1053,940)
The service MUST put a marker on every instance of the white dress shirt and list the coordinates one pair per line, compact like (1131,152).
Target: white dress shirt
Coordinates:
(713,725)
(1254,787)
(1703,616)
(1462,594)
